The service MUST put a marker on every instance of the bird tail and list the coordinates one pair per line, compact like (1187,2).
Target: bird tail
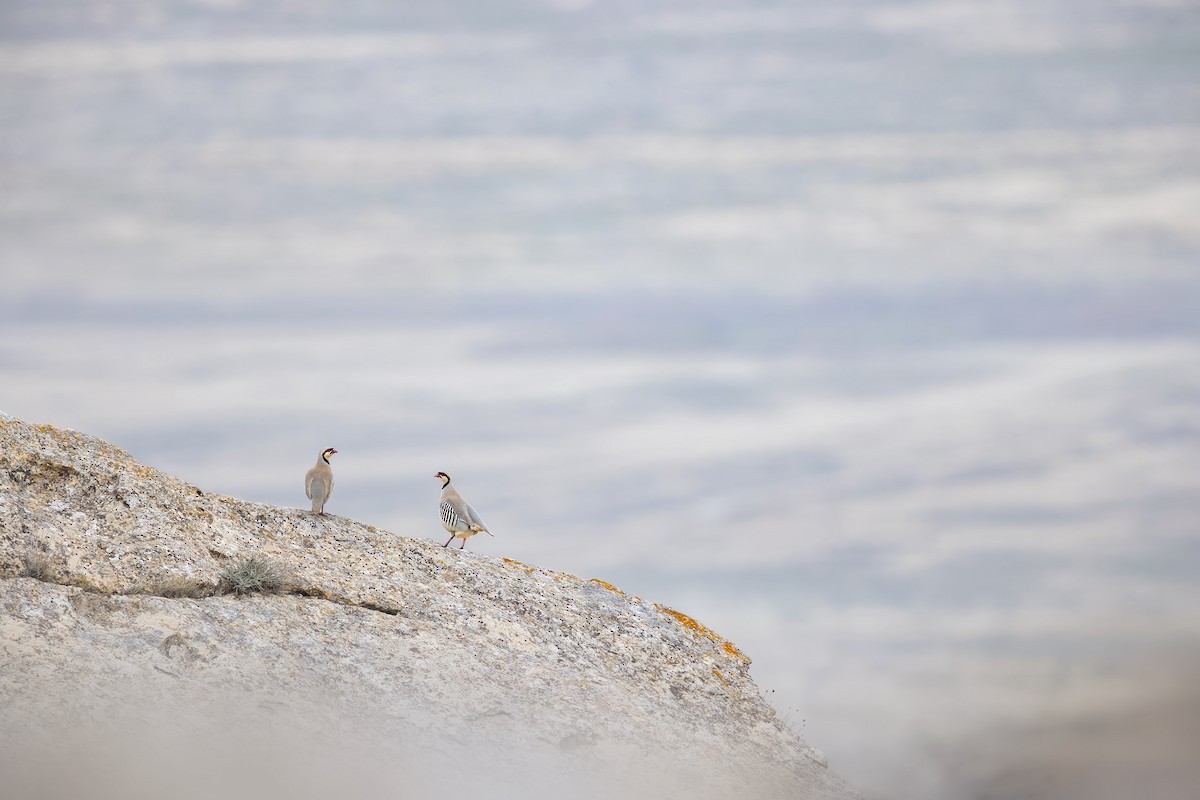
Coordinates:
(481,529)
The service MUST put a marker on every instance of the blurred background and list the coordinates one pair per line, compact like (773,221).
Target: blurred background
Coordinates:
(867,333)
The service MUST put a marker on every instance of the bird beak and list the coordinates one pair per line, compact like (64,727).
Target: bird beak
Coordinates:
(331,450)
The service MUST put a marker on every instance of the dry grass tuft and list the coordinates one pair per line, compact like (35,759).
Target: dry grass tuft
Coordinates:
(255,575)
(176,586)
(37,566)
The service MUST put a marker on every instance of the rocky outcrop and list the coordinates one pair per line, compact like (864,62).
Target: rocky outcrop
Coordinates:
(379,661)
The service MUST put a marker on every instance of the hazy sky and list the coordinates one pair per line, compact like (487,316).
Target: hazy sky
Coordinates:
(867,333)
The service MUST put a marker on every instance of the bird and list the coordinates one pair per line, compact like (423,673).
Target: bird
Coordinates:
(457,515)
(318,481)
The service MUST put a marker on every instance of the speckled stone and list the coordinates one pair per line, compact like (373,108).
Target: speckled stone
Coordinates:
(434,651)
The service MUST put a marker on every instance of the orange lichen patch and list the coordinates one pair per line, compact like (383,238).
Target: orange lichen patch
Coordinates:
(701,630)
(517,564)
(720,677)
(686,621)
(607,585)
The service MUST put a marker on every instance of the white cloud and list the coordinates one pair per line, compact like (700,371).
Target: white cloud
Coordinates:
(136,55)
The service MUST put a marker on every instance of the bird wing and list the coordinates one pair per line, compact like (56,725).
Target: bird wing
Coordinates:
(317,487)
(474,517)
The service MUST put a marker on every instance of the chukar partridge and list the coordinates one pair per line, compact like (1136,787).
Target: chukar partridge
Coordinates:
(318,482)
(458,518)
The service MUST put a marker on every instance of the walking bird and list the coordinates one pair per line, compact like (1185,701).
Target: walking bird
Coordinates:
(458,518)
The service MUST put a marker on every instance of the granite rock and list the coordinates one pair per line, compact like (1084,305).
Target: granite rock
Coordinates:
(381,660)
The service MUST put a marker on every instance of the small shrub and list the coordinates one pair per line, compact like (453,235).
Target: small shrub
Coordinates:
(37,566)
(255,574)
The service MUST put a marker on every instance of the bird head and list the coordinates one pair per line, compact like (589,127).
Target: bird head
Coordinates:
(326,453)
(443,477)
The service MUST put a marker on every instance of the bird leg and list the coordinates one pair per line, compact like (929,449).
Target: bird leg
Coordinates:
(464,544)
(448,541)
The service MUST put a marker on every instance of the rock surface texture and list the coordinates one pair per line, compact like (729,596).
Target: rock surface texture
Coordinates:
(382,666)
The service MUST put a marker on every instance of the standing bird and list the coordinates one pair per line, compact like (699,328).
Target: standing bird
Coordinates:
(318,481)
(457,515)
